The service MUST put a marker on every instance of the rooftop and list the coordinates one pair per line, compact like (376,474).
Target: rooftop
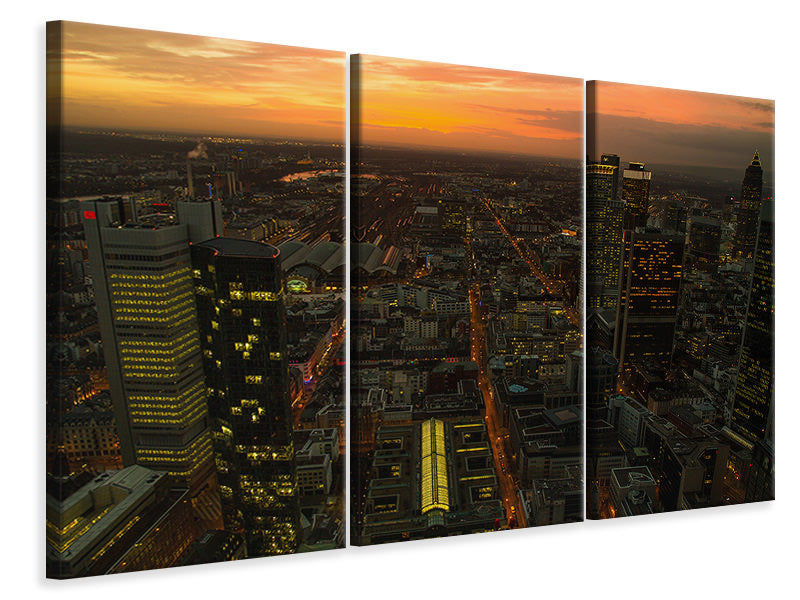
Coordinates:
(237,247)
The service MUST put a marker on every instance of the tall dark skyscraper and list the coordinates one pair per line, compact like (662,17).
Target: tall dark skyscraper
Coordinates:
(675,216)
(612,160)
(636,195)
(704,238)
(141,268)
(649,283)
(755,383)
(744,240)
(239,291)
(604,234)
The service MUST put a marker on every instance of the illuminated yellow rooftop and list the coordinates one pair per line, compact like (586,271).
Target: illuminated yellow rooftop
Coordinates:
(435,495)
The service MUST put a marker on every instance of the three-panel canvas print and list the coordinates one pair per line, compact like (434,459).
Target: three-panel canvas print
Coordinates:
(552,300)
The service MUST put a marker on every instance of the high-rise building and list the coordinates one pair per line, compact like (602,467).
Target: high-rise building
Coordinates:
(604,234)
(744,240)
(601,377)
(675,217)
(636,195)
(612,160)
(761,476)
(704,238)
(755,382)
(239,292)
(650,278)
(141,267)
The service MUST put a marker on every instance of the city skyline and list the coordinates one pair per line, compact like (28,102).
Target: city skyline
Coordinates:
(195,309)
(467,347)
(681,402)
(666,126)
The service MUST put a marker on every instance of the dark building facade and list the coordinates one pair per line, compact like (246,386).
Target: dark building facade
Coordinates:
(704,239)
(612,160)
(650,279)
(604,215)
(239,291)
(744,240)
(636,195)
(675,216)
(761,478)
(755,383)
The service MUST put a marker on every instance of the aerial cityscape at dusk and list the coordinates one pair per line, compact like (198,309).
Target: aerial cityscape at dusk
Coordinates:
(195,300)
(499,360)
(680,300)
(465,330)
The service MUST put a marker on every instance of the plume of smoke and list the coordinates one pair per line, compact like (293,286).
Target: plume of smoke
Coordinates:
(198,152)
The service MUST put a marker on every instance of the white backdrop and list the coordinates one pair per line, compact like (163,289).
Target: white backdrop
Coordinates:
(743,48)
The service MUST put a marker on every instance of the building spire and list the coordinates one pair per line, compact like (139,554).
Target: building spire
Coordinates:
(756,160)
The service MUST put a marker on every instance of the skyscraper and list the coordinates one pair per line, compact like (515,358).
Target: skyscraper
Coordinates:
(239,290)
(612,160)
(744,240)
(141,269)
(755,383)
(636,195)
(650,278)
(604,234)
(704,238)
(675,216)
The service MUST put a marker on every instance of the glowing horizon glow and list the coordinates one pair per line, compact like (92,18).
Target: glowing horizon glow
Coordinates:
(119,78)
(416,103)
(668,126)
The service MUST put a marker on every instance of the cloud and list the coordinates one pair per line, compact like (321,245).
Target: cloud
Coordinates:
(151,75)
(767,106)
(649,140)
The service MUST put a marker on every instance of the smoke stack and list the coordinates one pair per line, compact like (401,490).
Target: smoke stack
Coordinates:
(190,178)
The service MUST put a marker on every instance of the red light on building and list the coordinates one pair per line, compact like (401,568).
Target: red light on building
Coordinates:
(89,214)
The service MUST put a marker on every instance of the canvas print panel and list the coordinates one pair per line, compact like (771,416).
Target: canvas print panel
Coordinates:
(680,300)
(466,208)
(195,300)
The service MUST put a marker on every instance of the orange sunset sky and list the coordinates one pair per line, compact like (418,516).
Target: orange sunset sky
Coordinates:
(407,102)
(666,126)
(119,78)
